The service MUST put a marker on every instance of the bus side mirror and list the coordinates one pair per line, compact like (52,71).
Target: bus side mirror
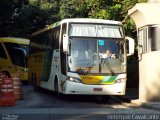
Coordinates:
(131,45)
(65,43)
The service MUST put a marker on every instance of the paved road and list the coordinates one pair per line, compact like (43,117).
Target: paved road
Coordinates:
(46,99)
(79,114)
(45,106)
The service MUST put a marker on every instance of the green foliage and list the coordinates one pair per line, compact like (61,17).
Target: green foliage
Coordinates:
(22,17)
(32,17)
(67,9)
(51,12)
(97,9)
(34,2)
(129,27)
(81,9)
(7,8)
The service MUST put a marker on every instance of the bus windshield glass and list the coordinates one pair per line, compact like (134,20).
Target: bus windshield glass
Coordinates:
(96,48)
(95,55)
(18,54)
(96,30)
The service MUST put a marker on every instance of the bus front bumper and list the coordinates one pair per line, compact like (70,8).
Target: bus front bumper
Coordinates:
(85,89)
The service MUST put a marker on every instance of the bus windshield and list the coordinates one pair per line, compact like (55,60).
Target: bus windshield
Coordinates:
(93,55)
(96,48)
(18,54)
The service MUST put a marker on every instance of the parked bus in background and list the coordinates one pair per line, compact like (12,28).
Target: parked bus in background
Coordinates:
(14,56)
(68,57)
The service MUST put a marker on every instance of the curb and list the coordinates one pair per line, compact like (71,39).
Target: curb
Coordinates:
(137,102)
(145,105)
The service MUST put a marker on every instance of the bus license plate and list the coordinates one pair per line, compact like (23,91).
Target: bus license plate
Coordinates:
(97,89)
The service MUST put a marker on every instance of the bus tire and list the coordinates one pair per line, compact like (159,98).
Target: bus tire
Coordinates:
(34,81)
(56,90)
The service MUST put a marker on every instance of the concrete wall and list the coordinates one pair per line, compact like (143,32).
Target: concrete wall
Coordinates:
(146,14)
(149,67)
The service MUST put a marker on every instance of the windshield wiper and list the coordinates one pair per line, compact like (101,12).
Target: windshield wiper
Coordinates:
(109,67)
(90,68)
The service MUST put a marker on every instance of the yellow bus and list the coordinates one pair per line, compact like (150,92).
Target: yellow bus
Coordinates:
(68,57)
(14,56)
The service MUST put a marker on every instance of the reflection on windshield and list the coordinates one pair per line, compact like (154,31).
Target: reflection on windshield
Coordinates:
(26,52)
(18,54)
(91,55)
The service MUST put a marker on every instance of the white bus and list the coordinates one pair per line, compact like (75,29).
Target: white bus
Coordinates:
(69,57)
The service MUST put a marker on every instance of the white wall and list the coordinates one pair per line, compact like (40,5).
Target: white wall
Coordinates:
(149,68)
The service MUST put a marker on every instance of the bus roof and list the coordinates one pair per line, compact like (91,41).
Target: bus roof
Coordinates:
(77,20)
(91,20)
(15,40)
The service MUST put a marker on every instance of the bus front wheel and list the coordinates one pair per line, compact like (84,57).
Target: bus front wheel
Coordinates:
(56,90)
(34,81)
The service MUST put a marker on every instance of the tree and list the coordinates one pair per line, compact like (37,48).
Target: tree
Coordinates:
(7,9)
(67,9)
(22,17)
(51,11)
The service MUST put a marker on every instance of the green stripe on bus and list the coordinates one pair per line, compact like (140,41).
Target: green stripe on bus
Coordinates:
(108,79)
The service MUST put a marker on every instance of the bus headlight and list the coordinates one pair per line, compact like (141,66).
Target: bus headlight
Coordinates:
(73,79)
(120,80)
